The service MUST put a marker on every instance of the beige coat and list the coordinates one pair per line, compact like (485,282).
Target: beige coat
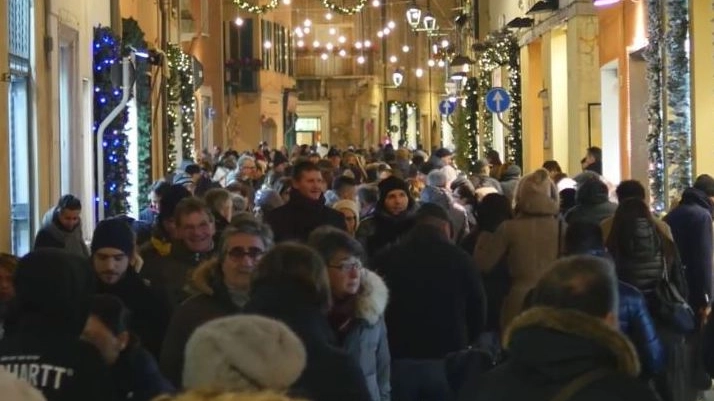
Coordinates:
(529,244)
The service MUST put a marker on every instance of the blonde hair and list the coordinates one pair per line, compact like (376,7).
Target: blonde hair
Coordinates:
(215,395)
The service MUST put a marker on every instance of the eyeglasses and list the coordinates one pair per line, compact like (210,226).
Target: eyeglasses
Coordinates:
(239,253)
(347,265)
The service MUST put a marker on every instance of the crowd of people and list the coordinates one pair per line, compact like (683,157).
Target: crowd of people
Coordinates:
(366,275)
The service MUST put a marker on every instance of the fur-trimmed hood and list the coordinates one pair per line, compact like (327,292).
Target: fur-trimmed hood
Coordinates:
(372,298)
(204,277)
(583,339)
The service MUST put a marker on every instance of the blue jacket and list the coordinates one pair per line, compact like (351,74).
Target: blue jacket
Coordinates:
(691,224)
(637,324)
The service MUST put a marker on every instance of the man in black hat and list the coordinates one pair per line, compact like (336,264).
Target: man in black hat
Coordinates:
(42,345)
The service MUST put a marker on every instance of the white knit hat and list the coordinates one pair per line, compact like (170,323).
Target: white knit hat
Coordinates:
(14,389)
(243,353)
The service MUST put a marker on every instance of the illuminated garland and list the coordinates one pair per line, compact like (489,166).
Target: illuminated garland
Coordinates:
(107,53)
(678,139)
(252,8)
(466,128)
(501,49)
(182,104)
(342,9)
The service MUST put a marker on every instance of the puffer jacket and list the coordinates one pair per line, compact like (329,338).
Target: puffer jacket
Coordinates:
(637,324)
(366,339)
(641,263)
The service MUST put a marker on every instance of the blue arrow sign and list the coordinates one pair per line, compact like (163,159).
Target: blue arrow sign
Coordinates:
(446,107)
(498,100)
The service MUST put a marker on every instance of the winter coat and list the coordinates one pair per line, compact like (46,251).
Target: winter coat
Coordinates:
(212,302)
(429,274)
(549,348)
(530,243)
(53,235)
(300,216)
(150,312)
(691,224)
(136,376)
(41,344)
(171,274)
(592,206)
(459,221)
(509,181)
(382,230)
(637,324)
(366,338)
(330,374)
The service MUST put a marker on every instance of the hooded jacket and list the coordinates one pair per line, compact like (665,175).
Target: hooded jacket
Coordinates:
(211,302)
(300,216)
(330,374)
(691,224)
(53,235)
(42,345)
(366,337)
(592,203)
(548,348)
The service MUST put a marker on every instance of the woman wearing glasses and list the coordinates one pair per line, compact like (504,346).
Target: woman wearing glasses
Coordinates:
(357,314)
(223,285)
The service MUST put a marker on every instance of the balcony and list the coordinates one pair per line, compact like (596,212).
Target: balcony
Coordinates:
(312,65)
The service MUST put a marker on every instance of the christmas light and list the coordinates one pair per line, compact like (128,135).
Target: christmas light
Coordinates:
(239,21)
(254,9)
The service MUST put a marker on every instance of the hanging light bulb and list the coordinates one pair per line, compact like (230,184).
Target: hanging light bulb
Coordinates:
(239,21)
(342,52)
(376,3)
(316,44)
(307,22)
(387,31)
(444,43)
(329,46)
(300,43)
(333,31)
(380,34)
(323,56)
(360,60)
(298,31)
(419,72)
(391,24)
(286,2)
(405,49)
(267,44)
(358,45)
(328,16)
(431,63)
(397,77)
(306,30)
(441,63)
(393,59)
(367,43)
(342,39)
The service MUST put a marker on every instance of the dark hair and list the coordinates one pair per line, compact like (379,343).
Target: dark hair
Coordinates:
(191,205)
(595,152)
(368,193)
(294,263)
(216,198)
(552,166)
(582,238)
(303,167)
(69,202)
(192,169)
(283,185)
(431,214)
(466,192)
(493,210)
(342,182)
(111,311)
(328,240)
(160,188)
(583,283)
(630,189)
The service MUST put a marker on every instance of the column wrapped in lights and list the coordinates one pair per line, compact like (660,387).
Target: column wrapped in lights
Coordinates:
(466,136)
(182,104)
(501,49)
(330,5)
(106,53)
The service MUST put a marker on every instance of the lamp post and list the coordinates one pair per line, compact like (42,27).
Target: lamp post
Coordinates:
(413,15)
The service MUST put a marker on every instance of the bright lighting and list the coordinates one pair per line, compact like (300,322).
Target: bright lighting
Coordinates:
(333,31)
(358,45)
(300,43)
(328,16)
(393,59)
(267,44)
(380,34)
(239,21)
(360,59)
(307,22)
(298,31)
(342,39)
(405,49)
(306,30)
(376,3)
(316,44)
(286,2)
(342,52)
(441,63)
(419,72)
(387,31)
(431,63)
(367,43)
(444,43)
(391,24)
(323,56)
(329,46)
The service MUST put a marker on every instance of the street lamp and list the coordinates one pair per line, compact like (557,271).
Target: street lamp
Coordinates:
(397,77)
(414,15)
(429,22)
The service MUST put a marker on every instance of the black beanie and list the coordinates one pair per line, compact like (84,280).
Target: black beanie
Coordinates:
(279,158)
(114,233)
(705,183)
(171,198)
(390,184)
(432,210)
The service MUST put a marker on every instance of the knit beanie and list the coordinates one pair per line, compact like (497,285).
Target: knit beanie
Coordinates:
(114,233)
(347,204)
(435,195)
(390,184)
(171,198)
(436,178)
(14,389)
(243,353)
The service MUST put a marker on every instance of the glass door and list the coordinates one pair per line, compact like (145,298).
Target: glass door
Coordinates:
(20,173)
